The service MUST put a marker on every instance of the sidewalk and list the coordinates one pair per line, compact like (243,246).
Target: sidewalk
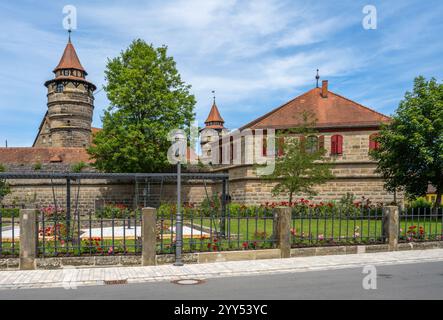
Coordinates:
(71,278)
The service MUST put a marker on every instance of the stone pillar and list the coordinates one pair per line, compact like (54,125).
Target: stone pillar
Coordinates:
(28,239)
(283,231)
(149,236)
(391,226)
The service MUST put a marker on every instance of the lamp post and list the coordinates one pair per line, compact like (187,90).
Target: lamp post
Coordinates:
(180,138)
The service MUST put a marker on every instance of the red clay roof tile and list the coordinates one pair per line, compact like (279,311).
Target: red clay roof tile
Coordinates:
(214,115)
(335,111)
(69,59)
(43,155)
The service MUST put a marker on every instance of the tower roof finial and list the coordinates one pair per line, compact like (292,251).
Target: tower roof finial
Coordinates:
(213,93)
(317,77)
(69,35)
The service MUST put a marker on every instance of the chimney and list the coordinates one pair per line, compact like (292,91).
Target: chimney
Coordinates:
(324,89)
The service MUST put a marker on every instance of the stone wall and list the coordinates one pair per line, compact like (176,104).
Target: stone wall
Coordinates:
(96,193)
(358,179)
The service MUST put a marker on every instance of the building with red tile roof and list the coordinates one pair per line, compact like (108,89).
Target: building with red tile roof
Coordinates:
(344,128)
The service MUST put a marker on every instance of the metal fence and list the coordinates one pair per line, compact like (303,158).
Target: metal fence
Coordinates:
(116,229)
(109,231)
(210,230)
(91,213)
(9,232)
(337,226)
(421,224)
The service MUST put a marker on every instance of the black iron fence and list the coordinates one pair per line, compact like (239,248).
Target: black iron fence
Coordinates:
(421,224)
(210,230)
(9,231)
(116,229)
(331,226)
(112,230)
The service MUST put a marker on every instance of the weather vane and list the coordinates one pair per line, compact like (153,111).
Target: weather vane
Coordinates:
(213,92)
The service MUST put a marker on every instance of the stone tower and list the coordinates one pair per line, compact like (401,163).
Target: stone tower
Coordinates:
(213,130)
(68,120)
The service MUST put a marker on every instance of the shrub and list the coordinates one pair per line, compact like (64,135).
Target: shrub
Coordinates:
(116,211)
(51,212)
(211,204)
(420,203)
(9,212)
(78,167)
(4,186)
(37,166)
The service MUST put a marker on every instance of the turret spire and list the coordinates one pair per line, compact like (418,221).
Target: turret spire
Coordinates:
(214,119)
(70,59)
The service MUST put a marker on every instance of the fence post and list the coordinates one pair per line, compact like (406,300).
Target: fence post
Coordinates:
(149,236)
(283,231)
(391,226)
(28,239)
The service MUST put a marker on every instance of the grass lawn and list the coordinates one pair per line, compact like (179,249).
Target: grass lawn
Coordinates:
(317,231)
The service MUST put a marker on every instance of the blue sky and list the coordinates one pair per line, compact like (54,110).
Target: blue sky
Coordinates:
(255,54)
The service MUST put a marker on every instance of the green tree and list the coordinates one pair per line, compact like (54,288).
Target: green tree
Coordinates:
(410,156)
(148,99)
(303,164)
(4,186)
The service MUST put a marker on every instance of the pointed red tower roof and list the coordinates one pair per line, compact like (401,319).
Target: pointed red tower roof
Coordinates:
(214,120)
(69,59)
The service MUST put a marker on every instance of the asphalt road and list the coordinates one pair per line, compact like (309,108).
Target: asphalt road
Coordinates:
(413,281)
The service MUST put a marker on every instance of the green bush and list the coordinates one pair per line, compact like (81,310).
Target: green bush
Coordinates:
(116,212)
(9,212)
(420,203)
(78,167)
(37,166)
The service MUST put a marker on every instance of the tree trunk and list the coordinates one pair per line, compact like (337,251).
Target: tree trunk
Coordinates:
(290,198)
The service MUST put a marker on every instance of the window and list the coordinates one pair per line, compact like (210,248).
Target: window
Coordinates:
(231,149)
(311,144)
(373,145)
(265,143)
(220,150)
(280,146)
(66,72)
(59,88)
(337,145)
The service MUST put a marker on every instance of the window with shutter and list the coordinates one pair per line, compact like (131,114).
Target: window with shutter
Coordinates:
(337,145)
(321,142)
(373,145)
(281,142)
(265,143)
(312,144)
(231,149)
(220,151)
